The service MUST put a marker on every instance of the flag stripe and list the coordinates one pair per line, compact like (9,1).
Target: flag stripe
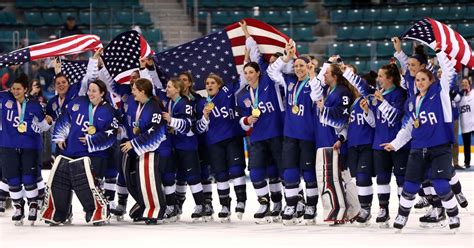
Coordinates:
(72,48)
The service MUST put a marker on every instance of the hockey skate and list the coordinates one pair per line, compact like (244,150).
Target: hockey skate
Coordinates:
(19,213)
(197,215)
(422,203)
(424,219)
(240,209)
(364,217)
(289,216)
(33,213)
(3,207)
(208,214)
(300,207)
(276,212)
(262,216)
(462,200)
(171,214)
(179,205)
(118,210)
(224,214)
(454,223)
(400,222)
(310,215)
(437,219)
(383,217)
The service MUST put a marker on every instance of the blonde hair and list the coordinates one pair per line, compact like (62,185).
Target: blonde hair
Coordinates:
(216,78)
(178,84)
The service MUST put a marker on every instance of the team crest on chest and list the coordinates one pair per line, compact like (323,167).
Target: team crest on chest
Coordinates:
(410,106)
(247,103)
(290,86)
(9,104)
(75,107)
(374,101)
(124,98)
(55,106)
(125,106)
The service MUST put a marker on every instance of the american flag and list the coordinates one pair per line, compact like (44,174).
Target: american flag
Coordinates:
(221,52)
(121,56)
(431,32)
(65,46)
(75,70)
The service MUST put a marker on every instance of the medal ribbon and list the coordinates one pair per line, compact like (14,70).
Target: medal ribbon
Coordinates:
(299,87)
(91,114)
(139,113)
(418,105)
(389,90)
(172,105)
(21,110)
(254,97)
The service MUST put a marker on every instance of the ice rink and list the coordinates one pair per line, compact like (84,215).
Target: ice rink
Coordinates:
(242,234)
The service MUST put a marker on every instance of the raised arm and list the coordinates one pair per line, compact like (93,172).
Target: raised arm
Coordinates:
(399,54)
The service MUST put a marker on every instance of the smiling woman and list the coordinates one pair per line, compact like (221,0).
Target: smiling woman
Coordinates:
(23,121)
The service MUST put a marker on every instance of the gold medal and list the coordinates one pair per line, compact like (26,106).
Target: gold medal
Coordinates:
(416,123)
(295,109)
(21,128)
(136,130)
(91,130)
(256,112)
(209,106)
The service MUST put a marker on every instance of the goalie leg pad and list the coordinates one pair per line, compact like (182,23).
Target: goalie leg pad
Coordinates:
(130,171)
(58,192)
(89,195)
(352,198)
(329,184)
(151,186)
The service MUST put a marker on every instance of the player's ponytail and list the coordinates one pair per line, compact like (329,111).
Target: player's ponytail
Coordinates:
(341,80)
(420,55)
(391,71)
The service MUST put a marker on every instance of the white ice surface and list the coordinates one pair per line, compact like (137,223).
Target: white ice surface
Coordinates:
(242,234)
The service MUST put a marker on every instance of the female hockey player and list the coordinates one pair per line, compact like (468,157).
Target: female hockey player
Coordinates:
(360,137)
(387,106)
(148,132)
(84,131)
(22,122)
(184,142)
(204,163)
(218,120)
(261,108)
(428,123)
(298,144)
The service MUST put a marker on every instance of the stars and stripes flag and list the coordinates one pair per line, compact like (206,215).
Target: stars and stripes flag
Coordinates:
(430,32)
(121,56)
(65,46)
(74,70)
(221,52)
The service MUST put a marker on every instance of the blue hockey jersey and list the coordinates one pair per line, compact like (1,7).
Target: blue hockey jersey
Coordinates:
(33,118)
(360,132)
(74,122)
(182,135)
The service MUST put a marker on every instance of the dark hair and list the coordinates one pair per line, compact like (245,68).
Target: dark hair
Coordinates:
(145,85)
(338,73)
(353,68)
(371,78)
(191,80)
(468,80)
(32,82)
(102,87)
(427,72)
(61,75)
(277,54)
(391,70)
(304,58)
(22,79)
(420,55)
(254,65)
(216,78)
